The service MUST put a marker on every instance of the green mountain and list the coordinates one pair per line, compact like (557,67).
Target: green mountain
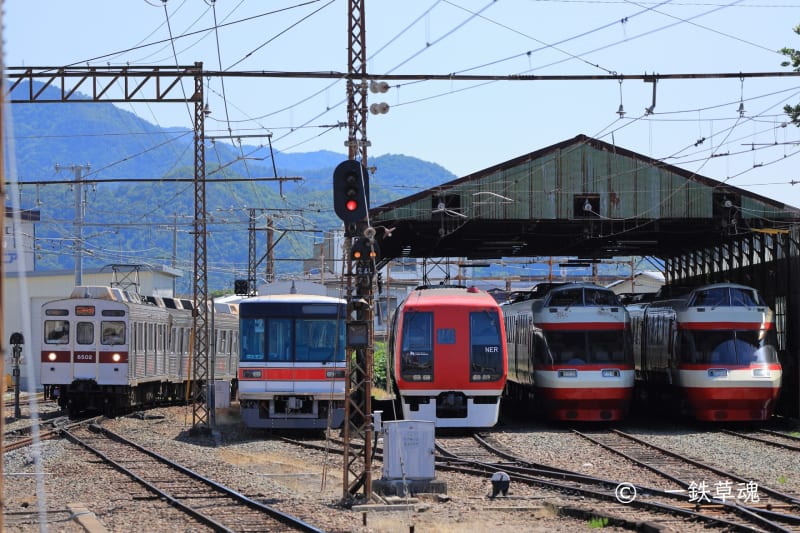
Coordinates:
(138,194)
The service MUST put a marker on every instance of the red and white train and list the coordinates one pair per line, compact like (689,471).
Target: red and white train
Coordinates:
(710,353)
(292,364)
(570,352)
(106,350)
(447,355)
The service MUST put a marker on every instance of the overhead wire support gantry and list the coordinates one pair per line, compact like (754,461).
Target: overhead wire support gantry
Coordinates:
(163,82)
(149,84)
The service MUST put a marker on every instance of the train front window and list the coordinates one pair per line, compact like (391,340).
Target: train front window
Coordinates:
(567,347)
(279,339)
(84,333)
(56,332)
(740,347)
(486,355)
(610,347)
(416,350)
(319,340)
(251,333)
(604,298)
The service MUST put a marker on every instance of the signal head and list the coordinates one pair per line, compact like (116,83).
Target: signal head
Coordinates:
(351,191)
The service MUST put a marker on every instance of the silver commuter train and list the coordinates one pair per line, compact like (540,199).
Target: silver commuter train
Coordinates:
(106,350)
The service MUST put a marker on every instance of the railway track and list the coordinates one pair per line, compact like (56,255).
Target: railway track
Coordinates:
(26,436)
(772,438)
(206,501)
(476,455)
(703,485)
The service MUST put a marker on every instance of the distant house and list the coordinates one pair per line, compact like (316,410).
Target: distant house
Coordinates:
(645,282)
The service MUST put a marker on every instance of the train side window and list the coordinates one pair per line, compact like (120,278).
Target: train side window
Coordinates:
(56,331)
(113,332)
(84,333)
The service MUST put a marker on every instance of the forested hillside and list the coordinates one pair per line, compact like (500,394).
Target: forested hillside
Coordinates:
(139,195)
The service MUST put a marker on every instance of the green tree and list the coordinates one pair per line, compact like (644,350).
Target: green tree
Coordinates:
(794,62)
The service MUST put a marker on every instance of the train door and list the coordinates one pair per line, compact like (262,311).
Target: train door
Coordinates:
(280,355)
(85,356)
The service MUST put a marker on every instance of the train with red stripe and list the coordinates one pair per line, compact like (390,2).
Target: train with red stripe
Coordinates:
(107,350)
(710,354)
(447,357)
(570,352)
(292,363)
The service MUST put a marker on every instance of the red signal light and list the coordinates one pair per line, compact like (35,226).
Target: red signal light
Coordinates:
(351,205)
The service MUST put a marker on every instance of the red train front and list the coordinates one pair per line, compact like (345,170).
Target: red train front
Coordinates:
(448,356)
(711,352)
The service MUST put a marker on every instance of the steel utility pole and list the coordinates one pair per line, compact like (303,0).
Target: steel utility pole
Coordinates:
(80,214)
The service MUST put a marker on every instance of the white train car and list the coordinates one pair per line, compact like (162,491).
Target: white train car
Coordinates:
(106,350)
(292,364)
(570,352)
(710,354)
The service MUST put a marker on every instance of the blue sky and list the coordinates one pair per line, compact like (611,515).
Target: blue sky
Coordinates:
(463,126)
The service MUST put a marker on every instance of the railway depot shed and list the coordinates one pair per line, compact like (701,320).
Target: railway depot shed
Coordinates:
(592,200)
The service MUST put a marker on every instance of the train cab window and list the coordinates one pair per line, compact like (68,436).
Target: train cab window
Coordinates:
(317,340)
(604,298)
(251,344)
(745,297)
(711,298)
(84,333)
(566,297)
(56,332)
(416,348)
(486,355)
(417,331)
(279,339)
(113,332)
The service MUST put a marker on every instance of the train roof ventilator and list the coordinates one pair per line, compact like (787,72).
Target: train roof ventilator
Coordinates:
(408,458)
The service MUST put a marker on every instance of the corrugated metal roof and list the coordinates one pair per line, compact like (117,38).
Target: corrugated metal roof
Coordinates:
(580,197)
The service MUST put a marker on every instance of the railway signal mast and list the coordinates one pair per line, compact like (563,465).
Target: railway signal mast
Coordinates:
(351,203)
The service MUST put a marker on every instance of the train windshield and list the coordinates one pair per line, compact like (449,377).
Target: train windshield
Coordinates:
(416,350)
(726,297)
(586,348)
(732,347)
(486,355)
(56,331)
(306,340)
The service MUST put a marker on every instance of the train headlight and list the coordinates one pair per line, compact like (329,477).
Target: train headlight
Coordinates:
(116,357)
(568,373)
(761,373)
(717,372)
(334,374)
(51,356)
(610,373)
(253,374)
